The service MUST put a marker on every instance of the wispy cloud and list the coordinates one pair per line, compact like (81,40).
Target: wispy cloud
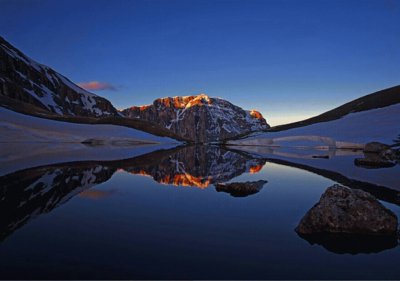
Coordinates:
(96,86)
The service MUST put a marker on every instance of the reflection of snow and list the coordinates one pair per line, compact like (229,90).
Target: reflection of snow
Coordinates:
(340,161)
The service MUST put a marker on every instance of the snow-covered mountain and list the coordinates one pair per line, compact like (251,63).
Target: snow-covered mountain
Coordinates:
(24,80)
(374,117)
(199,118)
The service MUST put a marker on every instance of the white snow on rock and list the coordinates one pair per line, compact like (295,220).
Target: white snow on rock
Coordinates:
(351,131)
(49,98)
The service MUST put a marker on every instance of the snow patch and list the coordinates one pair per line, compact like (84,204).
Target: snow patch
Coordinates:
(352,130)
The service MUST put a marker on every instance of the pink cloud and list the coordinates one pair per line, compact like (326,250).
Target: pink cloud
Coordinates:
(96,86)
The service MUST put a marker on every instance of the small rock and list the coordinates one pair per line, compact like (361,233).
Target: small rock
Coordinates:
(240,189)
(348,211)
(321,156)
(376,147)
(93,142)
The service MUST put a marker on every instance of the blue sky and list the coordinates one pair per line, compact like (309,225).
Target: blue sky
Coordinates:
(287,59)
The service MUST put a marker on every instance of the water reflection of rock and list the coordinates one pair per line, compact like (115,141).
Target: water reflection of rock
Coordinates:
(373,161)
(31,192)
(240,189)
(352,244)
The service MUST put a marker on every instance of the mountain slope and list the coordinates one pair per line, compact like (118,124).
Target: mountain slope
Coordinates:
(375,100)
(31,88)
(353,130)
(199,118)
(23,79)
(374,117)
(16,127)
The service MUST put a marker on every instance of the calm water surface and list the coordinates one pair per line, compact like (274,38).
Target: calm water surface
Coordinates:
(160,216)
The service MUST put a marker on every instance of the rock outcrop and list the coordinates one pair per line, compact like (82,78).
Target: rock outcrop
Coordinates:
(199,118)
(24,80)
(342,210)
(241,189)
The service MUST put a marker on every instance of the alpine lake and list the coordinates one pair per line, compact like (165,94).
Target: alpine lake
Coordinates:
(161,213)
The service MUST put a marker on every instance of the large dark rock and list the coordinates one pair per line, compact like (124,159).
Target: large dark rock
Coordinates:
(241,189)
(199,118)
(348,211)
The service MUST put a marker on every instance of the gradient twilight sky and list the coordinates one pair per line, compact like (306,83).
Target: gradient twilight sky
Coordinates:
(287,59)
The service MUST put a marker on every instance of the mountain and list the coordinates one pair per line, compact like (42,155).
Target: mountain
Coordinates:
(31,88)
(375,100)
(375,117)
(199,118)
(22,79)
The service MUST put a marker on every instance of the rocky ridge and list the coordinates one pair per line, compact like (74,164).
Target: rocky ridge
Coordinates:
(199,118)
(24,80)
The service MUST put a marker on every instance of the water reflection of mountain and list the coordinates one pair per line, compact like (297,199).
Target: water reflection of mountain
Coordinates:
(31,192)
(28,193)
(197,166)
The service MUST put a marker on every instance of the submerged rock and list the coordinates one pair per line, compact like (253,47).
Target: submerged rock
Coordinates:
(348,211)
(240,189)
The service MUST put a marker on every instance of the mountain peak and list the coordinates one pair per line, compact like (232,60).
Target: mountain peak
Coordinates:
(199,117)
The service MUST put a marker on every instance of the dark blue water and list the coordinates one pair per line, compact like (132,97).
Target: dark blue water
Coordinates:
(125,225)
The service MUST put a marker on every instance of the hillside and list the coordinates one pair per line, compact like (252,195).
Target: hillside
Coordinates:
(353,130)
(375,100)
(32,88)
(16,128)
(23,79)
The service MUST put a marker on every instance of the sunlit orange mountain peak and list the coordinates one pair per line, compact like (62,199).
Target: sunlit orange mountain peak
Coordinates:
(199,118)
